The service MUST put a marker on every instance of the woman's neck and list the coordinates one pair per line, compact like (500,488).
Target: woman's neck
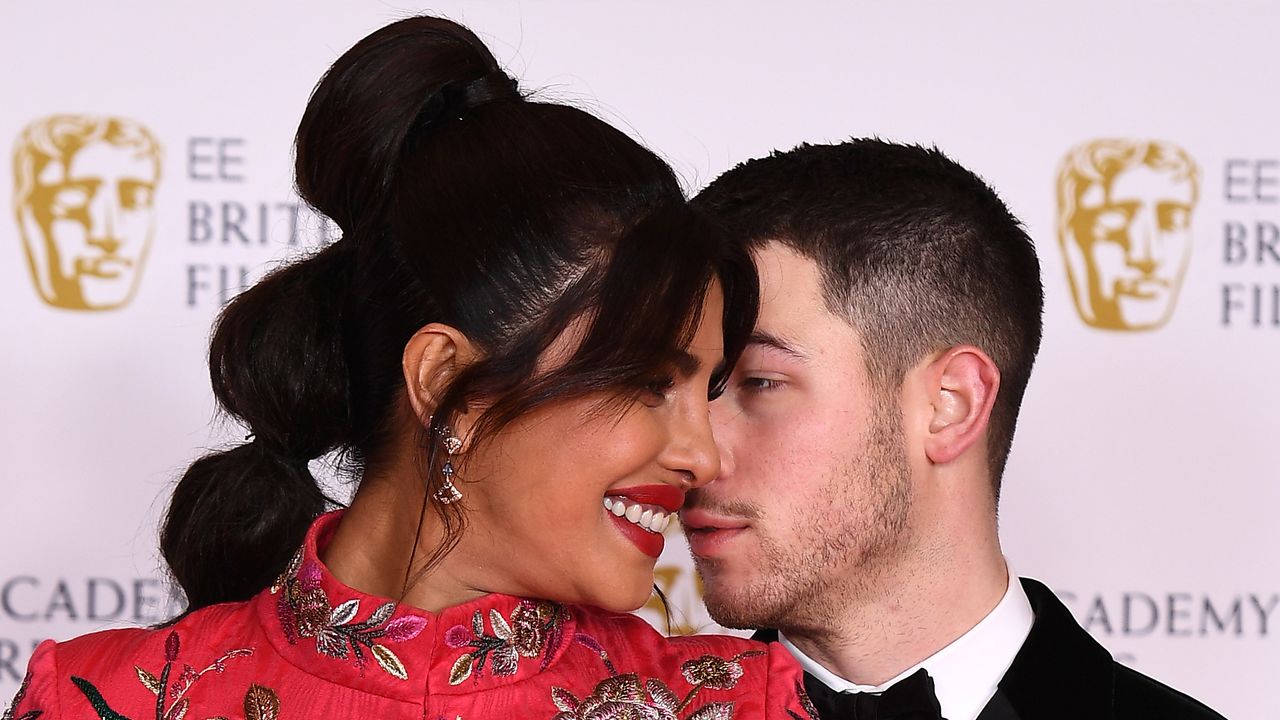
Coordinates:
(384,538)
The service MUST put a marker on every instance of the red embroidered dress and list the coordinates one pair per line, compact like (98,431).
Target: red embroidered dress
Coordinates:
(311,647)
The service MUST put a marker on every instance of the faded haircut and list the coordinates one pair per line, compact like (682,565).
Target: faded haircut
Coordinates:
(915,252)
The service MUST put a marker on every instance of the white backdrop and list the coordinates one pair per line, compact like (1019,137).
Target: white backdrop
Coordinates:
(1143,480)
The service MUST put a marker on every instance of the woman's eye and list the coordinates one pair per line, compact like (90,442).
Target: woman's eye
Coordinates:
(657,388)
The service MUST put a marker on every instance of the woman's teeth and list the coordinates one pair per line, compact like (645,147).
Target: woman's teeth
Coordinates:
(650,517)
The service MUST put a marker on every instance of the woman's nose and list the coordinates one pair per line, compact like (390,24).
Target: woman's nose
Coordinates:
(693,447)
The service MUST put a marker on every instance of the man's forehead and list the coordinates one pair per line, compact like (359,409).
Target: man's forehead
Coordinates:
(794,315)
(784,271)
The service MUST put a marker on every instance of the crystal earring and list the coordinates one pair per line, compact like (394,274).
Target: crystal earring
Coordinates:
(448,492)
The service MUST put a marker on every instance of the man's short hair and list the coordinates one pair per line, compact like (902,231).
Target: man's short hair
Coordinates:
(915,252)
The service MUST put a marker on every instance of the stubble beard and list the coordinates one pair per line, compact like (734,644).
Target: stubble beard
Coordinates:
(833,557)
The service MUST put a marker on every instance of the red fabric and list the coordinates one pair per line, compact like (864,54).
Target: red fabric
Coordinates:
(311,647)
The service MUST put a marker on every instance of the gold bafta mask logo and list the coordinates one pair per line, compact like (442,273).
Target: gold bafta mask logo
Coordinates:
(1124,226)
(680,602)
(84,197)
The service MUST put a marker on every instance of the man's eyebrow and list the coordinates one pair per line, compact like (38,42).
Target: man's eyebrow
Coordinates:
(760,337)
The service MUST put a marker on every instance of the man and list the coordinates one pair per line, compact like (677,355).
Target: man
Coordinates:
(84,189)
(863,436)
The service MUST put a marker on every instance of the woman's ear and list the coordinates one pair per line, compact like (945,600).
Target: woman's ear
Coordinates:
(962,383)
(433,357)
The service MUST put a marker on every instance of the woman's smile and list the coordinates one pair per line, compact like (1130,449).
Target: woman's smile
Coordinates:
(641,513)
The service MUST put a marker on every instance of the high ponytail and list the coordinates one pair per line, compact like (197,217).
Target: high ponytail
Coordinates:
(460,202)
(282,353)
(278,367)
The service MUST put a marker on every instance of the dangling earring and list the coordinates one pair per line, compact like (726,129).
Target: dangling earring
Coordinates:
(448,492)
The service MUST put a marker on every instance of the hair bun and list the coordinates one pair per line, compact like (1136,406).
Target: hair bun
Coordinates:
(494,86)
(355,126)
(456,97)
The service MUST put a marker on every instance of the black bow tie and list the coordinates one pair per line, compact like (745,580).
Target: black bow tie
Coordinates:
(911,698)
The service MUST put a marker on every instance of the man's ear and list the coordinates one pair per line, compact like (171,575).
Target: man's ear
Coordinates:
(433,357)
(962,385)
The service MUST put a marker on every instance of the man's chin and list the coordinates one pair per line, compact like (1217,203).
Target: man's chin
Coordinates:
(742,603)
(741,611)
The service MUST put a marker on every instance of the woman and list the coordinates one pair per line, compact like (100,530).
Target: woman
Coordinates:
(513,345)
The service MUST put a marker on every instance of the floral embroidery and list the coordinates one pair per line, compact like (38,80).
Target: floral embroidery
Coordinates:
(715,672)
(17,700)
(172,702)
(304,611)
(621,697)
(536,628)
(624,697)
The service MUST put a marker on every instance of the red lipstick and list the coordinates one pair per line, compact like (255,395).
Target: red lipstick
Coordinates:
(667,497)
(663,497)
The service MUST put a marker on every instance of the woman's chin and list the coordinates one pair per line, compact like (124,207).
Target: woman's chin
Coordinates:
(622,599)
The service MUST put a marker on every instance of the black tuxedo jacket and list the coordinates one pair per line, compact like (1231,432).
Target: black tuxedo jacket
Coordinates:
(1063,673)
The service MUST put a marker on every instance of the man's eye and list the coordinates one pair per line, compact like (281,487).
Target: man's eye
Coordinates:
(759,384)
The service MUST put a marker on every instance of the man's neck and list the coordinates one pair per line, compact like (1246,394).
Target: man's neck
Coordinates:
(873,632)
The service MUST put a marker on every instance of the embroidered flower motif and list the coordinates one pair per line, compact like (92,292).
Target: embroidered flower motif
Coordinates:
(622,697)
(305,611)
(715,672)
(172,702)
(17,700)
(535,628)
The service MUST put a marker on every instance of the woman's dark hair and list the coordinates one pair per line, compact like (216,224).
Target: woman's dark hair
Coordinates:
(460,202)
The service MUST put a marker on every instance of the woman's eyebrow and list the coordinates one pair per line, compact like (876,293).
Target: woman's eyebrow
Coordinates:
(686,364)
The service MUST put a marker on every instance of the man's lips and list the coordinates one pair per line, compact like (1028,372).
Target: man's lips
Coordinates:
(708,533)
(695,520)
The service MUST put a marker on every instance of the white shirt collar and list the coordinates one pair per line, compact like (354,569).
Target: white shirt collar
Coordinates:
(965,673)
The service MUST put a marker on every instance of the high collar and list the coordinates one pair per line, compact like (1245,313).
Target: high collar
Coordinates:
(377,645)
